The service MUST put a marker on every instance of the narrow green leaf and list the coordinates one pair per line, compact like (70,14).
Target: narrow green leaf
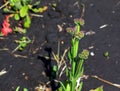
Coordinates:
(6,10)
(75,47)
(79,68)
(70,56)
(27,21)
(17,89)
(63,86)
(80,87)
(24,11)
(68,87)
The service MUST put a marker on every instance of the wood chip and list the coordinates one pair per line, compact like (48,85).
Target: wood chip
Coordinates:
(60,28)
(103,26)
(90,32)
(2,72)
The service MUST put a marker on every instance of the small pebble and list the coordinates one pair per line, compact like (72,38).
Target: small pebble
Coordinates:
(62,42)
(92,54)
(103,26)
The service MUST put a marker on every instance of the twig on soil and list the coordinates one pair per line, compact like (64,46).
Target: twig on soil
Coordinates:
(60,28)
(16,48)
(36,15)
(90,32)
(83,10)
(118,3)
(4,49)
(4,5)
(2,72)
(2,37)
(17,55)
(105,81)
(76,4)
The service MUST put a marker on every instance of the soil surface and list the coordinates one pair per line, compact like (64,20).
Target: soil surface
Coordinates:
(27,68)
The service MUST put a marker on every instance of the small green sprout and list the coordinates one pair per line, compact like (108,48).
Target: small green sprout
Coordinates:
(18,89)
(106,54)
(22,43)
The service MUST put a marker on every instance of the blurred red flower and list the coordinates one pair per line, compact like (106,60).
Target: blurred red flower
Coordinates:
(6,27)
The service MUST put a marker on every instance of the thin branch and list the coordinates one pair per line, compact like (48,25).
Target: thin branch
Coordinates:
(36,15)
(4,5)
(105,81)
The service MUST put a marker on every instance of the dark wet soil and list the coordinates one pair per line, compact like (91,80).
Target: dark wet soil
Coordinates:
(27,69)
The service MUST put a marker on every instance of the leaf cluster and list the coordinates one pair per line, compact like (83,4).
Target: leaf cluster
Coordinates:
(22,43)
(22,8)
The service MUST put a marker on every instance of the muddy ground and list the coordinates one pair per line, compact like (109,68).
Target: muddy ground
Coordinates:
(27,69)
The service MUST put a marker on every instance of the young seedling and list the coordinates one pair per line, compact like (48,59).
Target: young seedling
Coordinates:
(22,43)
(106,54)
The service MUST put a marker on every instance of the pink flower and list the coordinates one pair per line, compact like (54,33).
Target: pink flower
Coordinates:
(6,30)
(6,27)
(5,24)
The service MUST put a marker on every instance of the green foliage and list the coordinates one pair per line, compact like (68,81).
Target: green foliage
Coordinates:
(22,43)
(27,21)
(75,72)
(24,11)
(16,17)
(21,10)
(106,54)
(18,89)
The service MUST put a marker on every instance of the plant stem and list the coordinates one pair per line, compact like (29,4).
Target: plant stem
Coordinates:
(73,84)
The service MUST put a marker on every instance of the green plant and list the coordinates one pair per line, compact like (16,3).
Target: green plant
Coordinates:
(75,72)
(18,88)
(22,43)
(106,54)
(21,10)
